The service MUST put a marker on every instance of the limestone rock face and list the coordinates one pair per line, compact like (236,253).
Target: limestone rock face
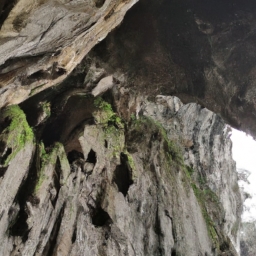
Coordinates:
(43,41)
(160,182)
(92,162)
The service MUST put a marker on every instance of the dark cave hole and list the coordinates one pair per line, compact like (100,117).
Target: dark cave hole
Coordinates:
(73,155)
(2,171)
(92,157)
(56,180)
(34,200)
(173,252)
(106,143)
(99,3)
(224,246)
(5,8)
(38,75)
(100,217)
(122,175)
(5,123)
(58,72)
(74,236)
(20,227)
(5,155)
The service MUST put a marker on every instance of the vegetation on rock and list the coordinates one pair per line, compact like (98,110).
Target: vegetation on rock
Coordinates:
(17,133)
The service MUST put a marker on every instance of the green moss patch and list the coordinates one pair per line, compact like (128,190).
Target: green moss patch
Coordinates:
(105,115)
(47,157)
(202,197)
(170,148)
(17,133)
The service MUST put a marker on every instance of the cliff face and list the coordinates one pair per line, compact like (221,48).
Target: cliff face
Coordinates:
(160,182)
(201,51)
(91,161)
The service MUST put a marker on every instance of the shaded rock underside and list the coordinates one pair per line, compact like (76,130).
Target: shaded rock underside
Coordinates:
(126,173)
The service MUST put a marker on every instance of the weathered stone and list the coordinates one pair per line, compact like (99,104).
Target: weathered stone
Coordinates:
(128,173)
(116,191)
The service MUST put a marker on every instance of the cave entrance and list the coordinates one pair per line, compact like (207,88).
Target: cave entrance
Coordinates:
(123,175)
(92,157)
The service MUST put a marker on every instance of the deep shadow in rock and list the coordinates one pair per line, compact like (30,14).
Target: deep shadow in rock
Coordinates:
(122,175)
(5,8)
(92,157)
(20,227)
(74,155)
(100,217)
(51,244)
(4,157)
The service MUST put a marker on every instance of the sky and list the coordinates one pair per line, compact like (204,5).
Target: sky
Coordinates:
(244,153)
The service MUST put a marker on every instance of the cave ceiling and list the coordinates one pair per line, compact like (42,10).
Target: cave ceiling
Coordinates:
(200,51)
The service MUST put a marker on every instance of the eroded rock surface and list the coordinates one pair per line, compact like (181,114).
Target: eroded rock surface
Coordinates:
(43,41)
(201,51)
(160,182)
(91,162)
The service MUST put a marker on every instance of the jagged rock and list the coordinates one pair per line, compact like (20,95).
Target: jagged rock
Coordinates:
(43,41)
(201,52)
(128,173)
(112,190)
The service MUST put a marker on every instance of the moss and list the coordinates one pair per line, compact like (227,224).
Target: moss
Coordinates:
(105,114)
(206,198)
(188,171)
(46,106)
(133,117)
(35,90)
(18,132)
(112,125)
(131,164)
(45,159)
(202,197)
(171,149)
(130,160)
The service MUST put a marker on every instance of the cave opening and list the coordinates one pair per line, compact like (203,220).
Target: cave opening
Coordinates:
(20,227)
(100,217)
(92,157)
(173,253)
(99,3)
(123,175)
(74,235)
(5,123)
(74,155)
(5,155)
(5,8)
(3,170)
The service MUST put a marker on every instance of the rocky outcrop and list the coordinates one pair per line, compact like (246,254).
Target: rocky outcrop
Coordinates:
(91,161)
(200,51)
(203,135)
(159,182)
(43,41)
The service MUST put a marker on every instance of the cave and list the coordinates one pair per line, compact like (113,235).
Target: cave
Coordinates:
(122,175)
(144,87)
(100,217)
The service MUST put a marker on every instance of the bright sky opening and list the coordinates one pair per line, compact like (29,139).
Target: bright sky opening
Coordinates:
(244,153)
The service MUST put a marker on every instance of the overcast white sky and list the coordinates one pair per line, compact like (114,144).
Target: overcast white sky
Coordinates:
(244,153)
